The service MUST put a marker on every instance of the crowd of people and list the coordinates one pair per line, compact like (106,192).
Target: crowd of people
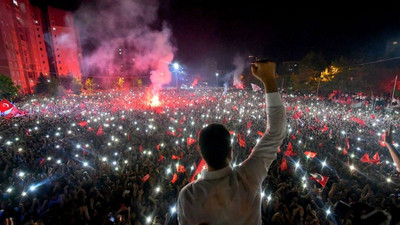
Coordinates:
(114,158)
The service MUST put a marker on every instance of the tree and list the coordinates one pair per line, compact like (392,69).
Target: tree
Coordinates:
(7,88)
(66,81)
(76,86)
(120,83)
(42,84)
(310,68)
(54,87)
(90,84)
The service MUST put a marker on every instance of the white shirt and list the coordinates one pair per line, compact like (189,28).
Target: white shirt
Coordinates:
(233,195)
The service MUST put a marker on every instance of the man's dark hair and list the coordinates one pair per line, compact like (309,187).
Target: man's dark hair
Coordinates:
(215,144)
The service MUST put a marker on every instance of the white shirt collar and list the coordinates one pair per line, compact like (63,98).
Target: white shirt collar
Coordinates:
(210,175)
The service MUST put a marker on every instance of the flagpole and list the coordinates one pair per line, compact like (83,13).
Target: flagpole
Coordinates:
(394,87)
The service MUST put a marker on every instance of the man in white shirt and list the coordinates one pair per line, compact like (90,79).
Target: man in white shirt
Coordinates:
(226,195)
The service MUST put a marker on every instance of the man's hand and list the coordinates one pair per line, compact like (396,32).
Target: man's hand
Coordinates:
(388,136)
(393,152)
(265,72)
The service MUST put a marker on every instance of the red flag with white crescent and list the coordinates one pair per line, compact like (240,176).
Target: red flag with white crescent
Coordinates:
(321,179)
(5,105)
(190,141)
(310,154)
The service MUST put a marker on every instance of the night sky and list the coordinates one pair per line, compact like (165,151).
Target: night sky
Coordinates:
(210,29)
(283,31)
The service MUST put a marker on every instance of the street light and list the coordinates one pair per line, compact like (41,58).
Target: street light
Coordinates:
(217,75)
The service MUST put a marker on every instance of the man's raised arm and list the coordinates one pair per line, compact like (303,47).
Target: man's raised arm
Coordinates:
(264,153)
(393,152)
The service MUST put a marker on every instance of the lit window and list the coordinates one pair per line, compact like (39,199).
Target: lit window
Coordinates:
(395,42)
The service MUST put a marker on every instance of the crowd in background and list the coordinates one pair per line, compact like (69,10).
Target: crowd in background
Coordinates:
(111,158)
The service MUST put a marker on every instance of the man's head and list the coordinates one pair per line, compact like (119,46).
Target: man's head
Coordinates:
(215,145)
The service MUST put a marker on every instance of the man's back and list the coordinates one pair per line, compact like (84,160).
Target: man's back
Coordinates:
(233,196)
(223,198)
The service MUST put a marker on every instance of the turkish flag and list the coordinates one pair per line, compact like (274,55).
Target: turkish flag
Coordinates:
(360,121)
(180,169)
(5,105)
(375,159)
(100,131)
(310,154)
(161,158)
(198,170)
(83,123)
(146,178)
(175,157)
(241,140)
(382,141)
(344,151)
(182,120)
(284,164)
(190,141)
(365,158)
(248,125)
(171,133)
(289,150)
(158,147)
(260,133)
(325,128)
(174,178)
(321,179)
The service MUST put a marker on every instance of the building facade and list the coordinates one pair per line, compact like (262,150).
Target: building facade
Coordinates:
(27,46)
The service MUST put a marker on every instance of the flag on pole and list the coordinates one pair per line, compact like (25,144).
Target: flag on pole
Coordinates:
(175,157)
(365,158)
(83,123)
(174,178)
(100,131)
(289,150)
(310,154)
(5,105)
(284,166)
(375,159)
(145,178)
(321,179)
(190,141)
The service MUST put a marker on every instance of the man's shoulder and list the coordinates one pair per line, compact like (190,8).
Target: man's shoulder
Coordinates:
(185,192)
(188,188)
